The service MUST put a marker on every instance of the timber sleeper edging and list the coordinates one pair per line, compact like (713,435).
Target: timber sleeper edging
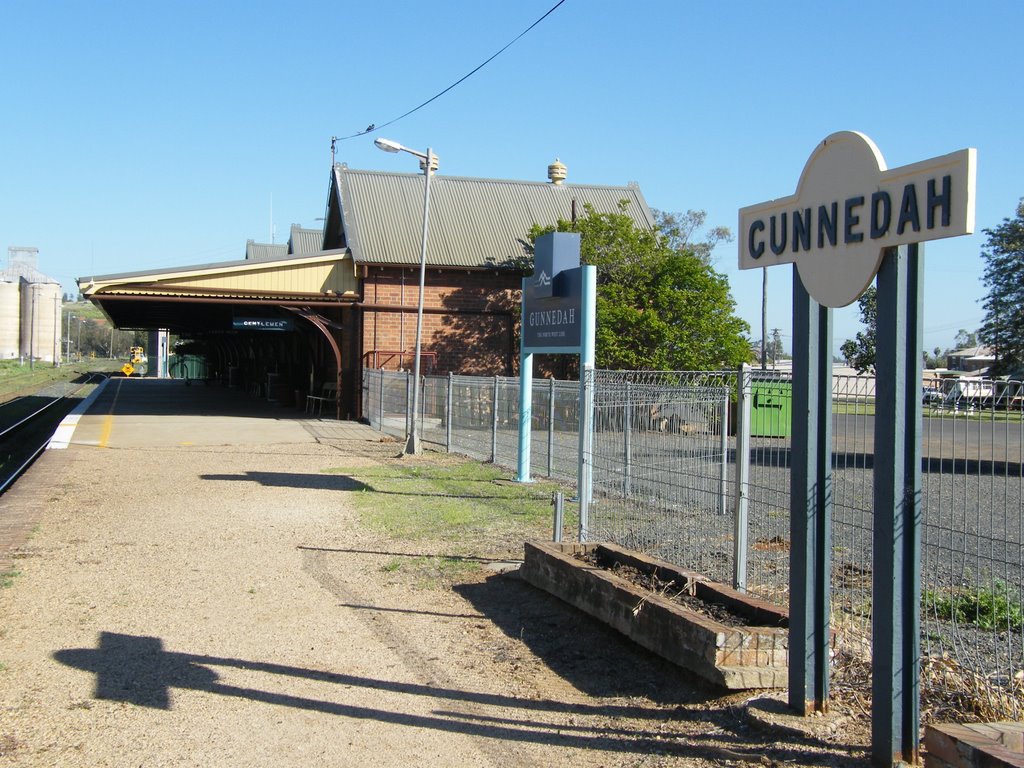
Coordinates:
(753,655)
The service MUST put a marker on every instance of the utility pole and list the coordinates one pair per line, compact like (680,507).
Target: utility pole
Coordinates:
(764,318)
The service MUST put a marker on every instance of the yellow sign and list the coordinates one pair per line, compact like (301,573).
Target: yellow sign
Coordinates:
(128,369)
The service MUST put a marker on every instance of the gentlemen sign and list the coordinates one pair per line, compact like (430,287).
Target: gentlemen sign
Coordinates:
(261,324)
(552,315)
(848,208)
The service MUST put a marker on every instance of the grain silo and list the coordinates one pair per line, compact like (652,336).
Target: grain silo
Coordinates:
(40,301)
(10,317)
(40,320)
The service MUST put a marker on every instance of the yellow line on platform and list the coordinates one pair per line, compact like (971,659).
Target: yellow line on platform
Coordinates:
(108,420)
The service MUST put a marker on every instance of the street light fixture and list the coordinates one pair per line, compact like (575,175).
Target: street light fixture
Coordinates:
(428,164)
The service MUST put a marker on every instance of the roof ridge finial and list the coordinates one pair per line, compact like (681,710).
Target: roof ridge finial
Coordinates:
(557,172)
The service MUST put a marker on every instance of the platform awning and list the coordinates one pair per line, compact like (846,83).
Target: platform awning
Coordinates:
(207,297)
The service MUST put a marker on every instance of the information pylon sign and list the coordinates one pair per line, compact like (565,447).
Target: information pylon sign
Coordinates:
(559,313)
(850,219)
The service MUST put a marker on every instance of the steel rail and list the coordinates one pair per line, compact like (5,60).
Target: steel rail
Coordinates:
(10,477)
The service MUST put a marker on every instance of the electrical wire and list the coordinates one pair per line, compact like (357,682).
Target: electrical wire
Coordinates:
(374,127)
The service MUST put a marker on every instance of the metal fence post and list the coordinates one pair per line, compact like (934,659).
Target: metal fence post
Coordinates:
(723,428)
(494,422)
(743,397)
(380,405)
(627,428)
(551,424)
(586,443)
(408,403)
(448,413)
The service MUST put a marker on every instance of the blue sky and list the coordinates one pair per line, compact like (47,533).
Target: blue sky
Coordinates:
(137,134)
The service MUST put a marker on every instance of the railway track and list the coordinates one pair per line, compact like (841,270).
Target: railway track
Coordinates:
(28,422)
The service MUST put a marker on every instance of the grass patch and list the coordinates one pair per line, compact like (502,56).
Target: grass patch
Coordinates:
(455,500)
(7,578)
(993,609)
(20,378)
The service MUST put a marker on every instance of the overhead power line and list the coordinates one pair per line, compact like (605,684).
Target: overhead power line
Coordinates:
(374,127)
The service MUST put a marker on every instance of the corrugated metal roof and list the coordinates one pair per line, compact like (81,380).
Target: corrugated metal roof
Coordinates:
(26,273)
(473,222)
(305,240)
(219,266)
(264,251)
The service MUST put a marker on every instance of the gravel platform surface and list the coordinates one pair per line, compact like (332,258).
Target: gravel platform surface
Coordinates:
(192,595)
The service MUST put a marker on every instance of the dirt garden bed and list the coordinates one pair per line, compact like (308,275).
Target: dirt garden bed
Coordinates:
(728,638)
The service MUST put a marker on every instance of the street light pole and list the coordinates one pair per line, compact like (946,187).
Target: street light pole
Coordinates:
(68,339)
(428,162)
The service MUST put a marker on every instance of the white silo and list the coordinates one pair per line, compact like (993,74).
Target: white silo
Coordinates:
(40,320)
(10,317)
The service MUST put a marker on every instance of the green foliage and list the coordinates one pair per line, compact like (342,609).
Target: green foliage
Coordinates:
(1003,324)
(658,307)
(859,352)
(964,339)
(992,609)
(679,230)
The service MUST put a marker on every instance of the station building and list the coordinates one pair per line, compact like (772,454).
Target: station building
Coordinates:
(291,318)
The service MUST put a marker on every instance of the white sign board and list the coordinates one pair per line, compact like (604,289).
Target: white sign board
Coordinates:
(848,207)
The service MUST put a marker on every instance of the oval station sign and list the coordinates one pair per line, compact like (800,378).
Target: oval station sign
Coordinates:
(848,207)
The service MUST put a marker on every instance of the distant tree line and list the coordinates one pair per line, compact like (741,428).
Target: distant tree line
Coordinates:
(1002,326)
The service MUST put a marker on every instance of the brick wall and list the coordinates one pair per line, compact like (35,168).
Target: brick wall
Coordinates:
(467,322)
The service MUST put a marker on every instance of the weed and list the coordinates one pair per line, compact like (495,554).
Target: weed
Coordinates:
(7,578)
(995,608)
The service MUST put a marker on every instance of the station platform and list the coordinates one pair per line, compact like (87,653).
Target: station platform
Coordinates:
(152,415)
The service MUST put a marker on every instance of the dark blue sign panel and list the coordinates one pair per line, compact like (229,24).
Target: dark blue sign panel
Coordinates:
(262,324)
(553,295)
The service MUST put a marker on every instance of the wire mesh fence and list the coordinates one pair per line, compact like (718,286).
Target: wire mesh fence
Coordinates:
(660,461)
(671,478)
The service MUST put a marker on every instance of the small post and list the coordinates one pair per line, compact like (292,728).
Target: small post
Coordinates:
(380,405)
(559,501)
(408,403)
(743,395)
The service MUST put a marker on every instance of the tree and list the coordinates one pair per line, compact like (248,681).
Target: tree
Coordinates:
(1003,325)
(658,307)
(859,352)
(679,229)
(965,339)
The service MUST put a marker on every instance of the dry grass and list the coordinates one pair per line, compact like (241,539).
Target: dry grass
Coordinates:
(950,692)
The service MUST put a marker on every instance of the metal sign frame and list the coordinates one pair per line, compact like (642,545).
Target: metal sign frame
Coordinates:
(880,241)
(559,284)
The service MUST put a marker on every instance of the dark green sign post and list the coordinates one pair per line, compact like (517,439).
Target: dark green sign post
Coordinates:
(851,219)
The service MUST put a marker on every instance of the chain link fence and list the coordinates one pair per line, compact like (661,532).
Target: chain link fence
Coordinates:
(670,478)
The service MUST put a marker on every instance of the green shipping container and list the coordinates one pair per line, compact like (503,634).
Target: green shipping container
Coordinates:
(771,409)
